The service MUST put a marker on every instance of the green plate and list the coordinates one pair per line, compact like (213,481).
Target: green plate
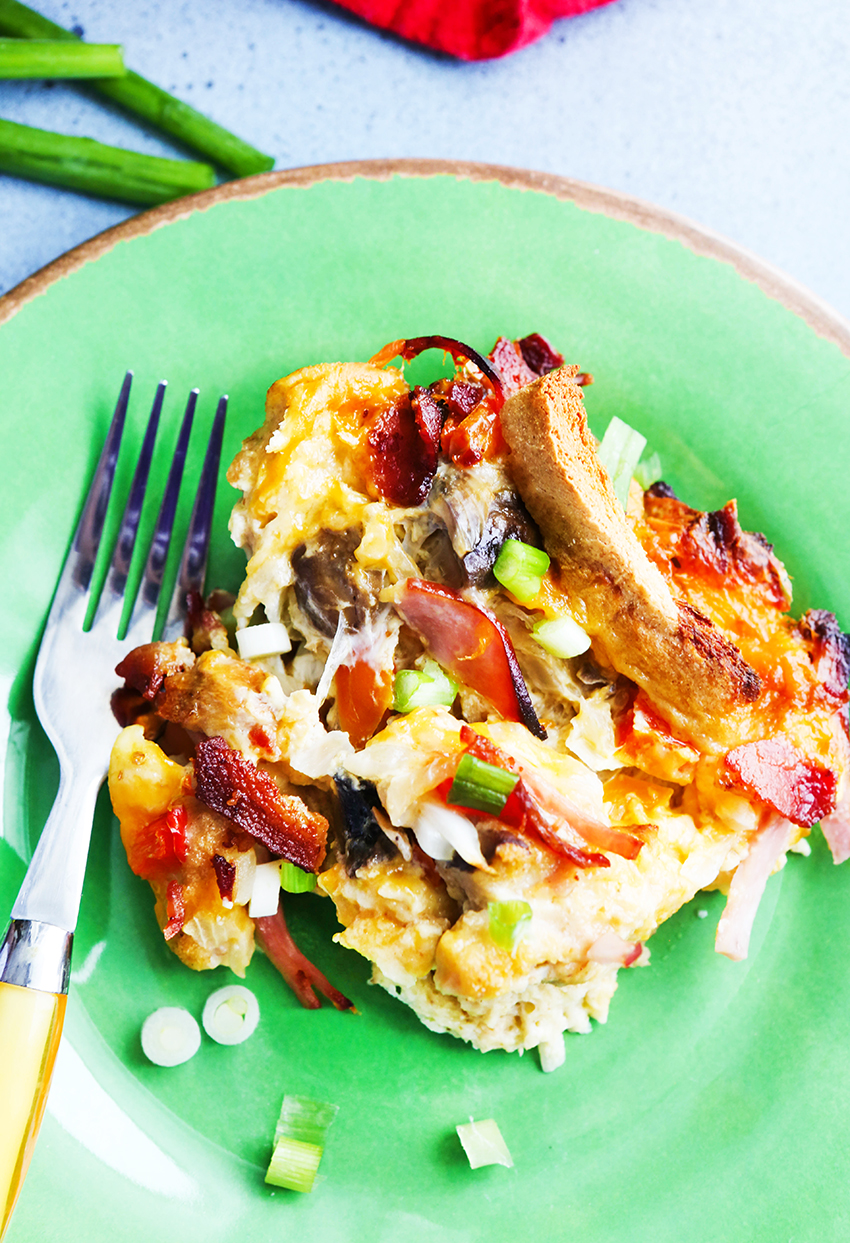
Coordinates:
(714,1104)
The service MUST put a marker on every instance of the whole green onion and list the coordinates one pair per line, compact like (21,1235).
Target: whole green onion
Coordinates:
(520,568)
(52,58)
(481,786)
(110,172)
(147,100)
(619,452)
(428,687)
(508,922)
(294,879)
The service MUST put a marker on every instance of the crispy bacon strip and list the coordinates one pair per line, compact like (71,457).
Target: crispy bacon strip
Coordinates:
(146,667)
(239,790)
(300,974)
(403,449)
(778,773)
(225,875)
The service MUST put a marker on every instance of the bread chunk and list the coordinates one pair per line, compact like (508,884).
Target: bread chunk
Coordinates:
(697,679)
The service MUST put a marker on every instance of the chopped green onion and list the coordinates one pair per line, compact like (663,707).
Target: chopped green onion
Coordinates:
(508,922)
(520,568)
(151,102)
(648,470)
(294,879)
(267,639)
(110,172)
(425,688)
(561,636)
(170,1036)
(480,785)
(294,1165)
(619,451)
(483,1144)
(231,1014)
(299,1140)
(52,58)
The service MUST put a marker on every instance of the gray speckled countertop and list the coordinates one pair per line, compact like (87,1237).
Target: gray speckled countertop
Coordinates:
(731,112)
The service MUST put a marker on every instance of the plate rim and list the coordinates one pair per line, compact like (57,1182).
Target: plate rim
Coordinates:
(616,204)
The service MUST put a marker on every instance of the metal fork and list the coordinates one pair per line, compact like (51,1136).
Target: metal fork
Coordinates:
(74,677)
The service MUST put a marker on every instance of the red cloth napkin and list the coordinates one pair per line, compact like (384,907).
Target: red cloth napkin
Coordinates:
(470,29)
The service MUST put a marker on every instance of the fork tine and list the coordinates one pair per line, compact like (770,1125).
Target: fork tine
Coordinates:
(141,627)
(193,564)
(111,604)
(75,579)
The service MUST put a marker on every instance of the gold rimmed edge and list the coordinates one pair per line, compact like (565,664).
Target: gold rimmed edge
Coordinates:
(825,321)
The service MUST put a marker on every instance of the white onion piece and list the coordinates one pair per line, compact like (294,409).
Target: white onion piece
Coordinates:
(269,639)
(440,832)
(265,894)
(231,1014)
(170,1036)
(483,1143)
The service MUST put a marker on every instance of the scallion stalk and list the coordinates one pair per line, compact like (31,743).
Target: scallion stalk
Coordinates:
(561,636)
(520,568)
(294,1165)
(619,452)
(294,879)
(53,58)
(481,786)
(109,172)
(148,101)
(299,1141)
(508,922)
(423,688)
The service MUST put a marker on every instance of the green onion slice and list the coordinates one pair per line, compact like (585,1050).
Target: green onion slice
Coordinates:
(231,1014)
(170,1036)
(520,568)
(294,879)
(508,922)
(429,687)
(481,786)
(483,1144)
(294,1165)
(619,452)
(561,636)
(299,1141)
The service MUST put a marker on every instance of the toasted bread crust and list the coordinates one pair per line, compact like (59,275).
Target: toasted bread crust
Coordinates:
(698,679)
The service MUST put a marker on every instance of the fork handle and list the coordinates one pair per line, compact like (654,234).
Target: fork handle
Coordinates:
(34,959)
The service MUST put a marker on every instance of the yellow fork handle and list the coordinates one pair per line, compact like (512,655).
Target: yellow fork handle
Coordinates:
(30,1027)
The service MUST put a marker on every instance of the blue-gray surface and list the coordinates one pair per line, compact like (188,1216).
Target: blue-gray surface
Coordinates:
(734,113)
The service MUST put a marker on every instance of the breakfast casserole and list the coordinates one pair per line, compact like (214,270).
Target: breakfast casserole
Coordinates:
(506,720)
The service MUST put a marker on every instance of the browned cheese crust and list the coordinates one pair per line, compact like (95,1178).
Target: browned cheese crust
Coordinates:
(698,679)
